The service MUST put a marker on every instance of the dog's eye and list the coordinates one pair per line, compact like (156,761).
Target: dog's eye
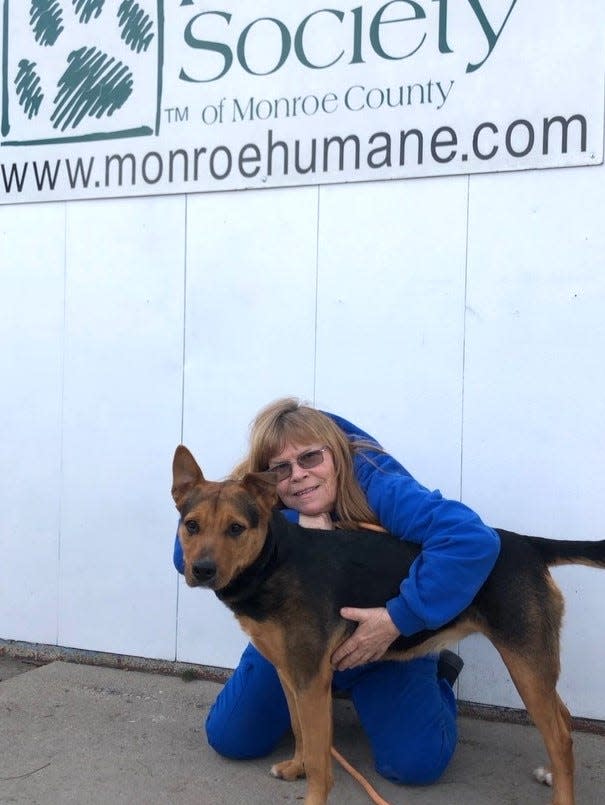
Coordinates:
(235,529)
(192,527)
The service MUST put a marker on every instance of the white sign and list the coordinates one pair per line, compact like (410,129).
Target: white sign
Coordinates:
(139,97)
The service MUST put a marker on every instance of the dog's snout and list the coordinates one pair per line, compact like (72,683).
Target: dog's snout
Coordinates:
(204,570)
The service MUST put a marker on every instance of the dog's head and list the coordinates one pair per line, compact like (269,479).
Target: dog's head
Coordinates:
(223,525)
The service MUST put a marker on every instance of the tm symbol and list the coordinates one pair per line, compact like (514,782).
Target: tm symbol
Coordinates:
(177,115)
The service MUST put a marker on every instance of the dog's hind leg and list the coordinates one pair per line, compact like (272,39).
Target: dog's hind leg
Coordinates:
(537,688)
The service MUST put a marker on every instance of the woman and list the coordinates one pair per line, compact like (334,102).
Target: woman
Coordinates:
(331,472)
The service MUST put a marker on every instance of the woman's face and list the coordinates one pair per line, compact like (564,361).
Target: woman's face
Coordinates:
(311,491)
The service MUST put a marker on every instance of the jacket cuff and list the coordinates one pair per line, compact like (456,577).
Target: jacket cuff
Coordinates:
(402,616)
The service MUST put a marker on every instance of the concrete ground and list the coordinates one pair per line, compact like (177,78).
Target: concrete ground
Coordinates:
(85,735)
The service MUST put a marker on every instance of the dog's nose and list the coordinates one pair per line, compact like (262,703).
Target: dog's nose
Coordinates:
(204,570)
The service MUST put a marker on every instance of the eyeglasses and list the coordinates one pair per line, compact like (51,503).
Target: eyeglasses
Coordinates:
(306,461)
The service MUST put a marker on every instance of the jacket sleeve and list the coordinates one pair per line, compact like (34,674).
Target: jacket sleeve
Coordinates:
(458,550)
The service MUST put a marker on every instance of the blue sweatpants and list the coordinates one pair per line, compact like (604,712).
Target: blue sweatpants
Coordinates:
(408,714)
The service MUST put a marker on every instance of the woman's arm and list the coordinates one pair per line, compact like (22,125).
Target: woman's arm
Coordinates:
(458,550)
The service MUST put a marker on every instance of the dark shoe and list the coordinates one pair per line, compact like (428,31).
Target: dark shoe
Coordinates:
(449,666)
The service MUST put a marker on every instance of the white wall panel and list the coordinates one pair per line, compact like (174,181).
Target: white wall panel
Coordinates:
(122,417)
(391,318)
(250,338)
(535,391)
(352,297)
(32,260)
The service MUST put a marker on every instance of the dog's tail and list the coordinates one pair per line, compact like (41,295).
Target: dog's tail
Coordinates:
(570,552)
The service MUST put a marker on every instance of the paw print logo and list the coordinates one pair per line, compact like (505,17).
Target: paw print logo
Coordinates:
(75,70)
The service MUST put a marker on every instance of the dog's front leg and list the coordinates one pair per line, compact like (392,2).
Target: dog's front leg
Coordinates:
(315,713)
(294,768)
(311,714)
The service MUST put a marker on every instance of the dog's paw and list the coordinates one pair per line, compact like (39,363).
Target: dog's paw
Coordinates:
(543,775)
(288,770)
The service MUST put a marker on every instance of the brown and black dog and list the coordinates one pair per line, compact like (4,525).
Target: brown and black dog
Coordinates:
(286,585)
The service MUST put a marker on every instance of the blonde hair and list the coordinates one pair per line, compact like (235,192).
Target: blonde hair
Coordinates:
(289,421)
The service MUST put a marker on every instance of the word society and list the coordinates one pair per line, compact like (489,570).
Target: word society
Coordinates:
(397,30)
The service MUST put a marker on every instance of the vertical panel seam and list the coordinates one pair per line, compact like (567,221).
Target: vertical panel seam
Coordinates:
(62,428)
(183,361)
(184,344)
(316,322)
(463,367)
(465,305)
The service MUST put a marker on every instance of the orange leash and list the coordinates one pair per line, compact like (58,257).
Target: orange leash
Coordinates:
(371,792)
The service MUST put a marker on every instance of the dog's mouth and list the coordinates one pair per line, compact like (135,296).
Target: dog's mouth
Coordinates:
(206,585)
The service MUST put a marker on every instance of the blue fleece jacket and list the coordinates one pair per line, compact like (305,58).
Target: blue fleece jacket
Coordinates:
(458,550)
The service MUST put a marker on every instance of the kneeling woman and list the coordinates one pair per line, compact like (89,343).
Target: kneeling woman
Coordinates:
(332,473)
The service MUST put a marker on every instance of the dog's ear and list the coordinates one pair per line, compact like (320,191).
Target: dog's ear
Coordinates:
(185,474)
(262,485)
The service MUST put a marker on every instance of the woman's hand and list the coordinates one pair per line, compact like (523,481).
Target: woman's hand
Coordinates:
(372,637)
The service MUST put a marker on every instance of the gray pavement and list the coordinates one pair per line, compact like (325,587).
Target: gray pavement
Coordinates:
(88,735)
